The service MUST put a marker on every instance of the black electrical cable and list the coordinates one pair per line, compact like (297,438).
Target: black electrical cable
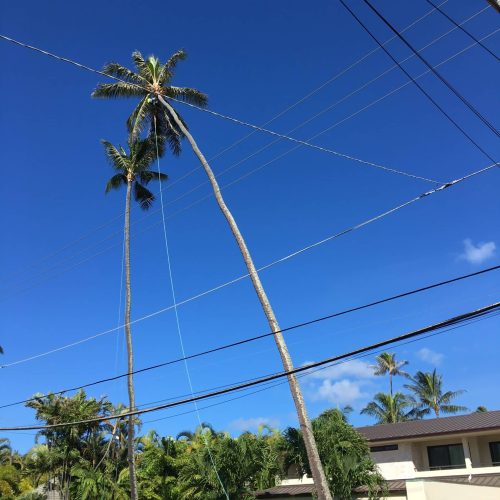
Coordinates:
(269,334)
(483,311)
(461,28)
(434,70)
(433,101)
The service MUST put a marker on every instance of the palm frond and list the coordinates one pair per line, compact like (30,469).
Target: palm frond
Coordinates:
(143,196)
(116,69)
(116,90)
(453,408)
(147,176)
(116,182)
(186,94)
(141,65)
(135,121)
(117,159)
(169,67)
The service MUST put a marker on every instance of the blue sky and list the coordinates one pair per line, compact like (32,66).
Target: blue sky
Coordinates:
(61,255)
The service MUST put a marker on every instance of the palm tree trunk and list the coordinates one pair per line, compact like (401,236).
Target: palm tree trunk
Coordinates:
(317,471)
(128,336)
(390,380)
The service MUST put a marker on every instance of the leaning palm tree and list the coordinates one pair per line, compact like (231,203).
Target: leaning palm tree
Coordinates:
(427,389)
(133,171)
(150,78)
(390,409)
(386,363)
(151,83)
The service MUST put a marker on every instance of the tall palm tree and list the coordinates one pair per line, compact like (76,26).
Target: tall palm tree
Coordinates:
(427,389)
(151,77)
(390,409)
(151,83)
(132,171)
(386,363)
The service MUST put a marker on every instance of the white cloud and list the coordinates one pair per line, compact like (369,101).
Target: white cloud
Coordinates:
(430,356)
(246,424)
(342,392)
(475,254)
(340,384)
(354,368)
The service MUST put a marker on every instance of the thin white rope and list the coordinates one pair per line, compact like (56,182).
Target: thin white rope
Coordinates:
(177,320)
(267,266)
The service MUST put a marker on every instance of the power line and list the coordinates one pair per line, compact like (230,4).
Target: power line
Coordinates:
(269,386)
(456,320)
(251,172)
(177,320)
(429,97)
(269,334)
(22,289)
(267,266)
(462,29)
(239,141)
(255,127)
(436,73)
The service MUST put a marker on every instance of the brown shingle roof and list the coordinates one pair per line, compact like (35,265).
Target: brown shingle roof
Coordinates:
(478,421)
(491,480)
(286,490)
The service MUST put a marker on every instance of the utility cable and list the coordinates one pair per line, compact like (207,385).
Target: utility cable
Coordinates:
(255,127)
(270,385)
(239,141)
(269,334)
(267,266)
(436,73)
(456,320)
(461,28)
(177,320)
(258,168)
(429,97)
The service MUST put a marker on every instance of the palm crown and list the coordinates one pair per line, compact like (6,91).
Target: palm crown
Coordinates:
(428,391)
(389,409)
(134,167)
(150,79)
(386,363)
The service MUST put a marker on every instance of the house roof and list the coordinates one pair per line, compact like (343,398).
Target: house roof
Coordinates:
(477,421)
(394,486)
(288,490)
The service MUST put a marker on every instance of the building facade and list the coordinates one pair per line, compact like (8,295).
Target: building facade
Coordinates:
(452,457)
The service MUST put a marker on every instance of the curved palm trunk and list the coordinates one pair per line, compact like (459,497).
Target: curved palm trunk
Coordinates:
(128,336)
(318,473)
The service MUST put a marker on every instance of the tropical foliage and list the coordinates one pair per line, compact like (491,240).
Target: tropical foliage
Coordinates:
(390,409)
(149,78)
(386,364)
(426,394)
(89,461)
(427,390)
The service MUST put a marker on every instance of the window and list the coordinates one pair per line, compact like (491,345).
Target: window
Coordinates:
(387,447)
(448,456)
(495,452)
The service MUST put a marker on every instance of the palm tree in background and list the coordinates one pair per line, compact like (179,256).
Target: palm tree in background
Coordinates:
(151,83)
(386,363)
(427,389)
(133,171)
(390,409)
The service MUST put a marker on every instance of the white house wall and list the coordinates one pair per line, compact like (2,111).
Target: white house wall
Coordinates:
(395,464)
